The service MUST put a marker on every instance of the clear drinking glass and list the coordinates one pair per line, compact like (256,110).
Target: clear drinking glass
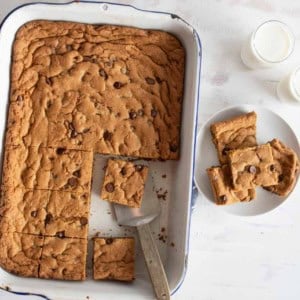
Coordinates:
(288,89)
(271,43)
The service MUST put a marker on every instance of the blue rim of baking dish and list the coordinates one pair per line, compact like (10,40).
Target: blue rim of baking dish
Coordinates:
(194,191)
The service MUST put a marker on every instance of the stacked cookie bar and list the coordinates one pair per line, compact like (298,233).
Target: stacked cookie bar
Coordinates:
(79,89)
(246,165)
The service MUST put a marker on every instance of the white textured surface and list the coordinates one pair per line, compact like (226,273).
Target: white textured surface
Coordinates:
(231,257)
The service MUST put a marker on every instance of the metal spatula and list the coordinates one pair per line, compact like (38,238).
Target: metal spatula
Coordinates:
(140,218)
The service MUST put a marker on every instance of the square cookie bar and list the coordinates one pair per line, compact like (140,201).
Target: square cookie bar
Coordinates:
(67,214)
(252,167)
(47,168)
(23,211)
(221,183)
(63,258)
(124,182)
(286,163)
(114,259)
(238,132)
(20,253)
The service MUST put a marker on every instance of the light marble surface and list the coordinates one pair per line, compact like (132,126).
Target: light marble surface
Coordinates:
(233,257)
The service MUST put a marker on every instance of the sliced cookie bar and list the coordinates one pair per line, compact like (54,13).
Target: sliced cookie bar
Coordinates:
(252,167)
(124,182)
(20,253)
(286,163)
(114,259)
(238,132)
(221,183)
(63,258)
(47,168)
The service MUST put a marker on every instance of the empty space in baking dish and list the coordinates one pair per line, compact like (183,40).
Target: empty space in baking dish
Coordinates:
(174,191)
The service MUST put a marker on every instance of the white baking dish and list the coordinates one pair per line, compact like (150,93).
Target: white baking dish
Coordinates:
(176,208)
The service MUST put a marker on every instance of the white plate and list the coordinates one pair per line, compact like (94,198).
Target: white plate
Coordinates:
(269,126)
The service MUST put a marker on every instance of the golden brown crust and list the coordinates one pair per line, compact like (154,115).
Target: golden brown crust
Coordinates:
(234,133)
(79,89)
(47,168)
(63,258)
(82,82)
(114,259)
(20,253)
(124,182)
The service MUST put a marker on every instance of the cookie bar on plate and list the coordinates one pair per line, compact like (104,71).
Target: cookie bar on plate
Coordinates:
(224,192)
(234,133)
(254,166)
(286,163)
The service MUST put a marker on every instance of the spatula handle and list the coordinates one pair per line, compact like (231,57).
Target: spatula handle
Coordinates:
(154,264)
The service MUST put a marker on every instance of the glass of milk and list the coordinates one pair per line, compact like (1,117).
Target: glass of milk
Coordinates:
(288,89)
(271,43)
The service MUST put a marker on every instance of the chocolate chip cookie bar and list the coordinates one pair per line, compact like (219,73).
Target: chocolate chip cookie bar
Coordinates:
(124,182)
(221,183)
(47,168)
(254,166)
(67,214)
(113,259)
(238,132)
(63,258)
(286,163)
(20,253)
(24,211)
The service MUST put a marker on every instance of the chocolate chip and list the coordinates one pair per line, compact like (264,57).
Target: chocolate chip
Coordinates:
(153,113)
(150,80)
(118,85)
(20,98)
(132,115)
(140,112)
(60,151)
(72,181)
(107,135)
(173,148)
(73,134)
(69,48)
(103,74)
(139,168)
(49,81)
(109,241)
(77,173)
(223,199)
(60,234)
(280,178)
(158,80)
(252,169)
(71,126)
(34,213)
(110,187)
(48,219)
(225,150)
(85,130)
(83,221)
(272,168)
(49,103)
(123,171)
